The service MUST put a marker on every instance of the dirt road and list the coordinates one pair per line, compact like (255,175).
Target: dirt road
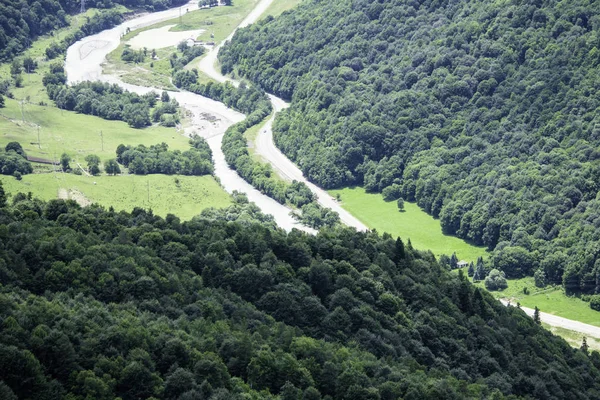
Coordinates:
(553,320)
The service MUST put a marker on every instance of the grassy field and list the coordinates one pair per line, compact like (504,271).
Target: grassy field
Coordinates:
(575,339)
(551,300)
(278,7)
(184,196)
(415,224)
(76,134)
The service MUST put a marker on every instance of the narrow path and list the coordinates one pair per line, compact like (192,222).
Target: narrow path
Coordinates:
(84,62)
(560,322)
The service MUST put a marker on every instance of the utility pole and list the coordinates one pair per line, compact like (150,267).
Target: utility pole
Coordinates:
(180,15)
(82,10)
(38,129)
(102,140)
(148,186)
(22,114)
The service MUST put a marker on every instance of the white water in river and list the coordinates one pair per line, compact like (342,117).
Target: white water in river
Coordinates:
(210,118)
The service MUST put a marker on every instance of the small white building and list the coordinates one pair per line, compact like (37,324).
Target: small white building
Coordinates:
(462,264)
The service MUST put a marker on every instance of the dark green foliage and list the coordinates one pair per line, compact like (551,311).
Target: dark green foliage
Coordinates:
(1,101)
(496,280)
(93,162)
(65,159)
(29,64)
(2,196)
(112,167)
(453,261)
(16,147)
(400,204)
(186,56)
(158,159)
(536,316)
(480,272)
(97,304)
(101,99)
(130,55)
(314,215)
(595,302)
(482,112)
(13,160)
(16,67)
(539,278)
(166,112)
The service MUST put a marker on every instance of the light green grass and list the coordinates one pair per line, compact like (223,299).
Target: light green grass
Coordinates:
(161,193)
(76,134)
(551,300)
(575,339)
(424,232)
(278,7)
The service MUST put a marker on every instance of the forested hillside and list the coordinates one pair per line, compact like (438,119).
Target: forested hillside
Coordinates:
(485,113)
(21,21)
(96,304)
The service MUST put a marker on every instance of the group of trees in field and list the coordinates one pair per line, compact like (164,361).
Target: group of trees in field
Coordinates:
(99,304)
(484,113)
(158,159)
(166,113)
(131,55)
(255,103)
(22,21)
(107,101)
(13,161)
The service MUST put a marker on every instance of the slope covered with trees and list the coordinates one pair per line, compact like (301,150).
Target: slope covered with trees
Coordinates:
(485,113)
(98,304)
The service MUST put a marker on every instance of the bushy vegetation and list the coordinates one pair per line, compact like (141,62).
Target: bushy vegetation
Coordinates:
(23,21)
(314,215)
(13,160)
(255,103)
(158,159)
(482,112)
(130,55)
(104,100)
(99,304)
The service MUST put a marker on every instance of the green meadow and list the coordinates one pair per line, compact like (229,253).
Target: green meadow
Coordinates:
(75,134)
(184,196)
(278,7)
(424,231)
(551,300)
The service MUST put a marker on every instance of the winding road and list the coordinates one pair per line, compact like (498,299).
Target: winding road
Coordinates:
(84,62)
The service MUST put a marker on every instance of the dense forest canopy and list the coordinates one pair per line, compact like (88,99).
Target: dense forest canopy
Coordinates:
(485,113)
(21,21)
(99,304)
